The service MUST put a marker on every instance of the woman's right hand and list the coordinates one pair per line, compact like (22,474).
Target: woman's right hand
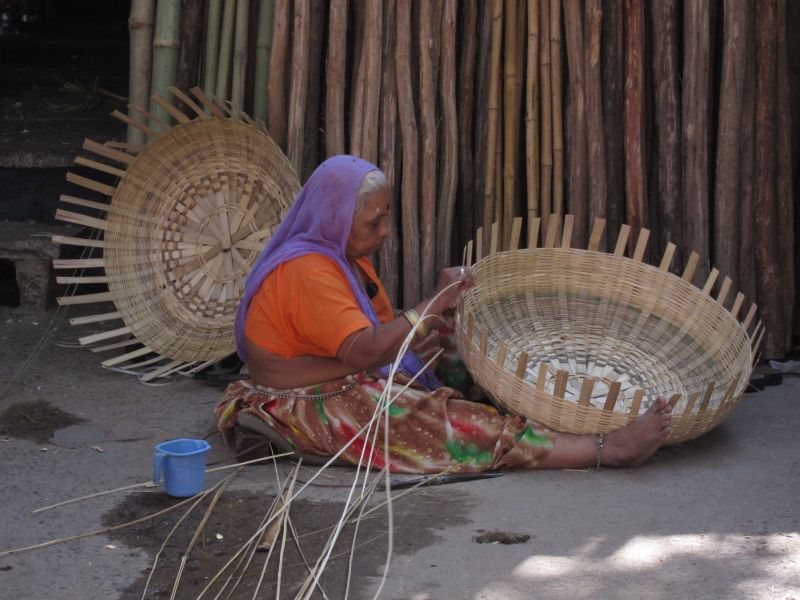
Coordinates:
(452,281)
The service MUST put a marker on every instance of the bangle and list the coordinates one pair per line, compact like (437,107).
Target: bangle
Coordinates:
(412,316)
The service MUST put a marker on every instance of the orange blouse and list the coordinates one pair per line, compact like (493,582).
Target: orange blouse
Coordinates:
(306,306)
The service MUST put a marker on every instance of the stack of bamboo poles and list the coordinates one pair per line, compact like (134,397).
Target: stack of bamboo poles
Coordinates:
(651,114)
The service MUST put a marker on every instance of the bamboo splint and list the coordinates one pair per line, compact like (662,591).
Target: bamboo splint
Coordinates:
(583,341)
(184,219)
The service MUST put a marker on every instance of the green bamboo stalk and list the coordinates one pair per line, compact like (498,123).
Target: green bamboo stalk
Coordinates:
(165,53)
(212,45)
(140,25)
(225,45)
(263,43)
(240,53)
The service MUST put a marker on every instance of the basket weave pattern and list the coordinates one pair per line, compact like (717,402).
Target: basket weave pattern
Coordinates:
(584,341)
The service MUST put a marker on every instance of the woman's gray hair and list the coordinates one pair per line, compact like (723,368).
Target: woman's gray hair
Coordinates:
(374,181)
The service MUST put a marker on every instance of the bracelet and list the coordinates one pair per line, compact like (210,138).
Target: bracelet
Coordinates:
(599,441)
(412,316)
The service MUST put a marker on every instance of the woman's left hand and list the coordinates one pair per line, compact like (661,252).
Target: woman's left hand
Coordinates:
(459,279)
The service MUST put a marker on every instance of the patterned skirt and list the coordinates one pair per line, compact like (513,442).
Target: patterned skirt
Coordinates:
(429,432)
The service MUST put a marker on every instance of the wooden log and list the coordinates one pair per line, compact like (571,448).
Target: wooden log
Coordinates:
(746,277)
(490,182)
(389,261)
(357,82)
(140,26)
(240,53)
(213,23)
(668,122)
(696,76)
(334,78)
(465,99)
(299,84)
(613,66)
(427,106)
(767,246)
(372,82)
(635,159)
(532,91)
(450,138)
(595,132)
(481,113)
(510,118)
(558,113)
(189,56)
(222,89)
(408,126)
(266,12)
(546,158)
(165,53)
(276,89)
(316,56)
(786,210)
(577,182)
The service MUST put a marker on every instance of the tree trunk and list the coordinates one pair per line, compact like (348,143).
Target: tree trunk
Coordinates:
(140,25)
(668,122)
(577,155)
(696,69)
(335,77)
(595,134)
(635,160)
(408,125)
(613,59)
(276,90)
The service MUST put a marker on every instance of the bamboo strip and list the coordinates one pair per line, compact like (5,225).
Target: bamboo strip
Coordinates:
(522,364)
(707,397)
(468,262)
(541,380)
(494,239)
(100,318)
(566,236)
(483,333)
(479,244)
(516,229)
(162,371)
(91,184)
(99,206)
(737,305)
(106,152)
(106,335)
(712,279)
(189,102)
(587,387)
(207,102)
(76,241)
(641,245)
(149,131)
(81,280)
(622,240)
(749,318)
(149,118)
(533,232)
(560,387)
(552,232)
(666,260)
(114,346)
(691,266)
(613,394)
(673,400)
(636,404)
(80,219)
(85,299)
(78,263)
(597,234)
(613,94)
(171,109)
(98,166)
(502,350)
(723,292)
(126,357)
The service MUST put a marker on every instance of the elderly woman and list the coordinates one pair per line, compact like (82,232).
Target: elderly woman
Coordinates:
(317,331)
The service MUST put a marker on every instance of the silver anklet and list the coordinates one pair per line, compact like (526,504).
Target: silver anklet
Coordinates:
(599,441)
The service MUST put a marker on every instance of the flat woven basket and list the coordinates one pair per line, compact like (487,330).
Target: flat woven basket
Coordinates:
(186,220)
(584,341)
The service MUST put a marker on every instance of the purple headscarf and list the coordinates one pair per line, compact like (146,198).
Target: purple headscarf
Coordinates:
(319,223)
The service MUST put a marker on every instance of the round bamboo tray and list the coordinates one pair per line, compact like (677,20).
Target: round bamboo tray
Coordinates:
(187,219)
(584,341)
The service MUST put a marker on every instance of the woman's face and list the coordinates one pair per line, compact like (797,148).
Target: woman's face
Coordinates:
(370,225)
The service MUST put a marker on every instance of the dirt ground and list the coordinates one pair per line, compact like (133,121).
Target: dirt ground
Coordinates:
(714,518)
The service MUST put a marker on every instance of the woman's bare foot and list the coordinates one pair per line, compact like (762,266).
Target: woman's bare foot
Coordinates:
(633,444)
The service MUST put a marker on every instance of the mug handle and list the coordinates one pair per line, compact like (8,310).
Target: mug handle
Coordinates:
(158,462)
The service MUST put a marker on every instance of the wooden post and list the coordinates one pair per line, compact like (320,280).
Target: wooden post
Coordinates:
(558,113)
(532,91)
(334,78)
(595,131)
(190,44)
(408,126)
(299,85)
(165,53)
(212,45)
(140,25)
(546,159)
(493,116)
(316,56)
(481,114)
(613,52)
(635,159)
(510,114)
(372,81)
(266,11)
(276,88)
(240,53)
(668,123)
(468,20)
(225,47)
(696,77)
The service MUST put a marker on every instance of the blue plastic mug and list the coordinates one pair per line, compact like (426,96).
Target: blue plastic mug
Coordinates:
(183,464)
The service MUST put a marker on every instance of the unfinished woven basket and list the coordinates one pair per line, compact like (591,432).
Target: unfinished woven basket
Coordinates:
(191,212)
(583,341)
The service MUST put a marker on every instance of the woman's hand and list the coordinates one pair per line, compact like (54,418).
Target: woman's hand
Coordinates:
(453,281)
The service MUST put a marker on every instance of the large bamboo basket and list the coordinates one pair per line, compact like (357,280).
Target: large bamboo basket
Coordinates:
(583,341)
(183,225)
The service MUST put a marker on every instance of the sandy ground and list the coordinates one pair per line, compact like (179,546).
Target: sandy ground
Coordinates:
(715,518)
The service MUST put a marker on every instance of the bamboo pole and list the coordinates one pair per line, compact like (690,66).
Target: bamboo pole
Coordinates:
(558,113)
(786,211)
(482,78)
(489,198)
(746,277)
(316,56)
(212,45)
(190,44)
(276,88)
(546,201)
(510,115)
(465,99)
(389,259)
(449,158)
(225,48)
(427,105)
(729,133)
(165,53)
(240,53)
(578,171)
(299,85)
(767,246)
(372,81)
(140,26)
(266,10)
(595,133)
(357,83)
(334,78)
(613,52)
(668,122)
(696,75)
(408,125)
(532,112)
(635,168)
